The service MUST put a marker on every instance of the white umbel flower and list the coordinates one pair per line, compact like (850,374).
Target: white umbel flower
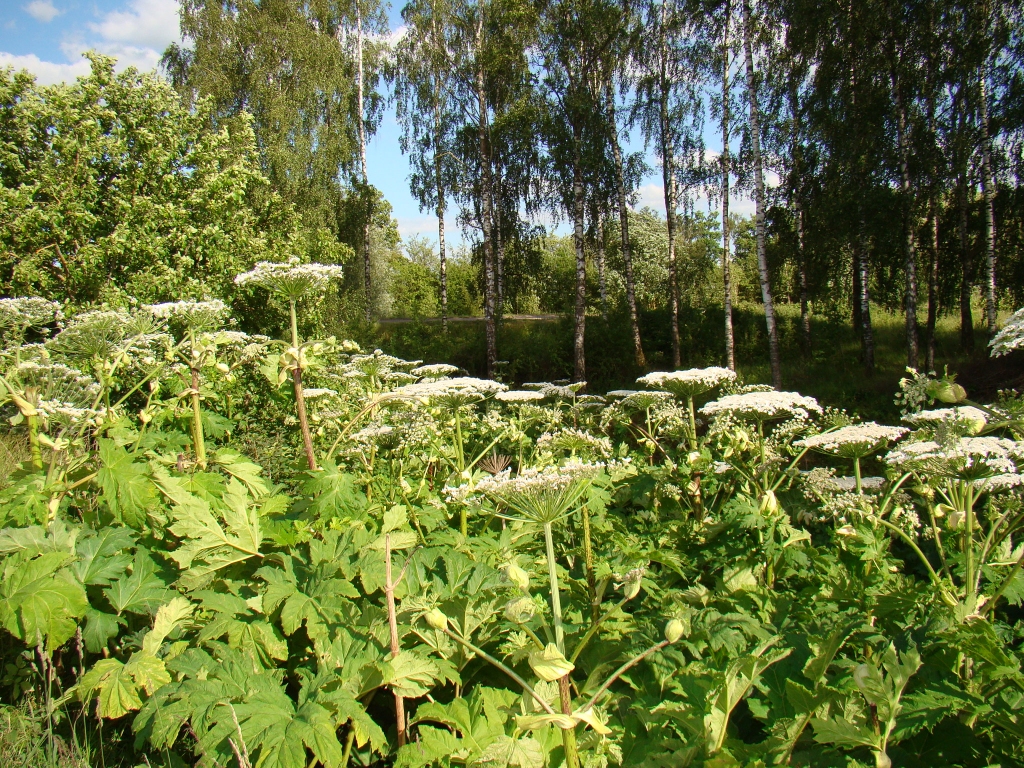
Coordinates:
(1011,336)
(967,458)
(197,315)
(854,441)
(290,279)
(435,370)
(28,311)
(519,396)
(688,383)
(973,419)
(764,406)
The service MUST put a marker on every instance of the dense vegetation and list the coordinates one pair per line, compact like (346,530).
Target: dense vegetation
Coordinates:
(233,550)
(230,535)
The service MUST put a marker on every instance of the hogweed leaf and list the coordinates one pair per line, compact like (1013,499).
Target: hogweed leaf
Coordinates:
(40,601)
(126,488)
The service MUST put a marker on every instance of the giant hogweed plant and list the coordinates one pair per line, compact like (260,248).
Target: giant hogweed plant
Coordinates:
(459,574)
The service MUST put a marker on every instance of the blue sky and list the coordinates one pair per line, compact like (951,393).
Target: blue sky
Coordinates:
(47,37)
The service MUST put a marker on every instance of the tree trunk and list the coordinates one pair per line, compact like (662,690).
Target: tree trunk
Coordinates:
(989,192)
(730,341)
(627,254)
(966,318)
(601,279)
(499,250)
(669,184)
(933,285)
(858,321)
(486,214)
(579,354)
(798,215)
(805,314)
(909,239)
(867,334)
(440,224)
(762,257)
(368,214)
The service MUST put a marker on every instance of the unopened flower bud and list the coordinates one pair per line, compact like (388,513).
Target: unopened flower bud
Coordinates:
(631,583)
(520,610)
(223,367)
(436,619)
(947,391)
(518,576)
(674,630)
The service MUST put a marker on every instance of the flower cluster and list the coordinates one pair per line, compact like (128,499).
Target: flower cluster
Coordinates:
(574,441)
(914,392)
(1011,336)
(969,458)
(689,383)
(764,406)
(519,396)
(28,312)
(535,482)
(965,418)
(291,280)
(451,393)
(196,315)
(435,371)
(854,441)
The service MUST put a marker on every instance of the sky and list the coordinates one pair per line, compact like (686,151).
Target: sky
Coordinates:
(48,37)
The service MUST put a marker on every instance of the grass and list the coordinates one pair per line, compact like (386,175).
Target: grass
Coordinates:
(25,742)
(831,372)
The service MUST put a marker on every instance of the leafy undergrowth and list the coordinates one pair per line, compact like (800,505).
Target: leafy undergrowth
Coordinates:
(426,569)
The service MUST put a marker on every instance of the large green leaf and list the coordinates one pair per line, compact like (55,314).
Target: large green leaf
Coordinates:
(207,544)
(39,600)
(142,591)
(127,489)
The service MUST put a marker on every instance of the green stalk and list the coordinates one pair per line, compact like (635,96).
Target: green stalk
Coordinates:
(856,473)
(198,438)
(300,398)
(556,602)
(572,758)
(968,509)
(32,421)
(588,558)
(623,670)
(693,423)
(946,597)
(460,454)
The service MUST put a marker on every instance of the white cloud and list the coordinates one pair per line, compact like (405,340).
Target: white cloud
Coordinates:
(137,35)
(42,10)
(46,72)
(143,24)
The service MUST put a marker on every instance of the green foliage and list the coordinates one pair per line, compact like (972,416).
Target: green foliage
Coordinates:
(690,598)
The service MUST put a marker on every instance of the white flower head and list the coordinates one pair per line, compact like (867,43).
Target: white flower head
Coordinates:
(641,401)
(853,441)
(196,315)
(1010,337)
(689,383)
(312,393)
(291,279)
(435,371)
(28,312)
(451,393)
(966,417)
(542,495)
(519,396)
(764,406)
(969,458)
(574,441)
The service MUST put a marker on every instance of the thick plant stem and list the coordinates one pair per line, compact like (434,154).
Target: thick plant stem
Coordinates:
(300,398)
(198,438)
(588,558)
(572,759)
(693,422)
(389,592)
(856,473)
(32,421)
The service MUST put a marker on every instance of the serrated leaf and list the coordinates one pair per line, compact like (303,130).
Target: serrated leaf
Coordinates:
(399,540)
(100,627)
(99,557)
(549,664)
(506,752)
(126,489)
(244,470)
(394,518)
(842,733)
(209,546)
(39,601)
(409,674)
(167,619)
(143,591)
